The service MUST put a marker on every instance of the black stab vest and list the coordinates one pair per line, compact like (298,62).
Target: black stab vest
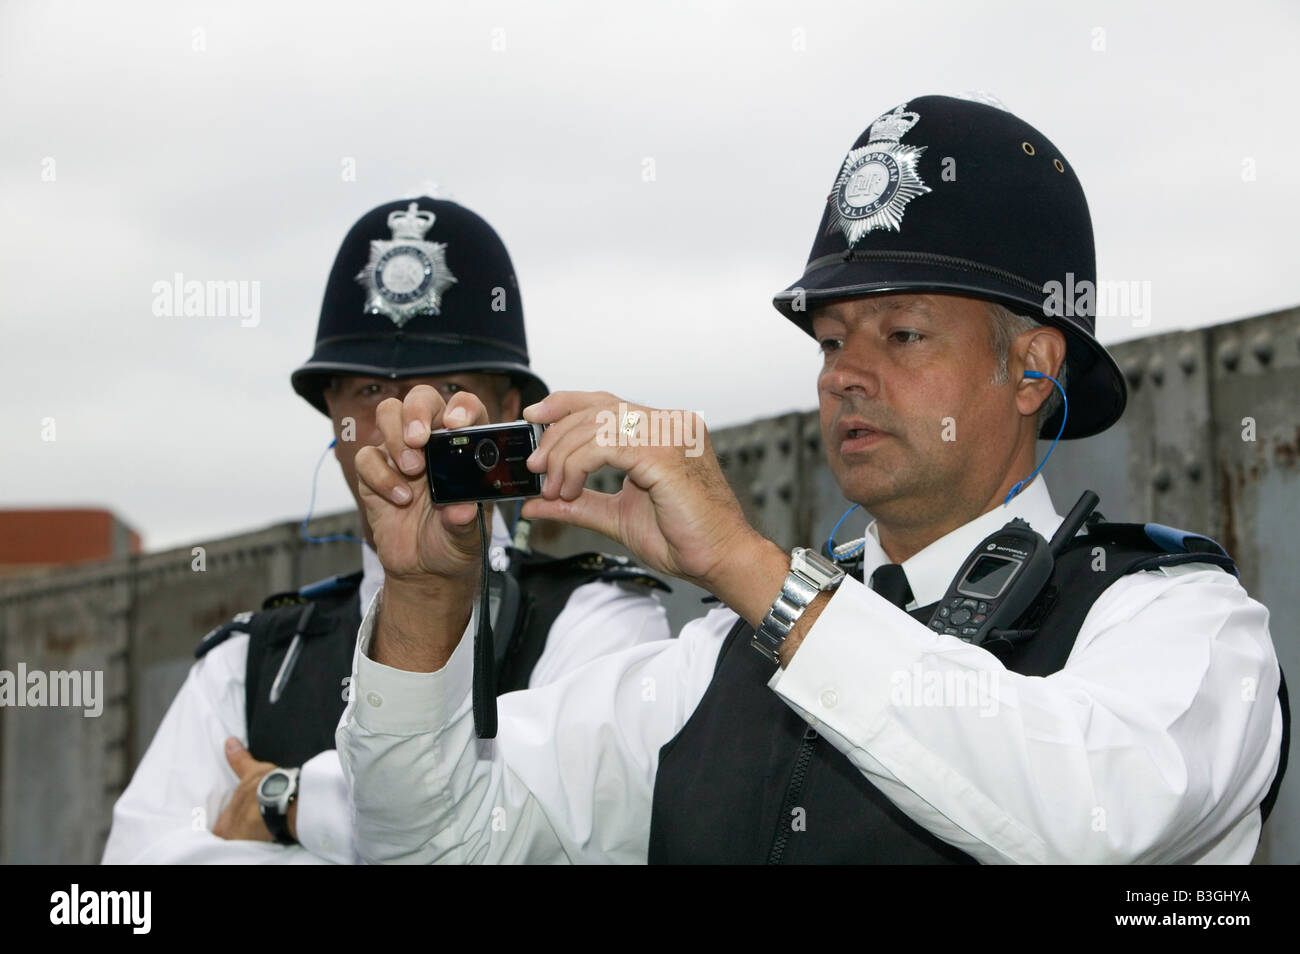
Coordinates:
(301,723)
(747,781)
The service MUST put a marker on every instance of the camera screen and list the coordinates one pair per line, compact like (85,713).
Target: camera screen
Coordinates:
(482,464)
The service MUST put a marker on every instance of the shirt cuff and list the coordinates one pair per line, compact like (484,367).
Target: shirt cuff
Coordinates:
(324,823)
(392,701)
(844,671)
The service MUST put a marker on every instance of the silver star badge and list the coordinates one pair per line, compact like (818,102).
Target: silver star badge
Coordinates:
(406,276)
(877,180)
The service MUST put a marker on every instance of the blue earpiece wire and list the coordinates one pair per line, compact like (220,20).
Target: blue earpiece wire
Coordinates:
(1065,413)
(830,542)
(302,531)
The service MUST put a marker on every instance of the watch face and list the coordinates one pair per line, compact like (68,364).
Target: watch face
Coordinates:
(275,784)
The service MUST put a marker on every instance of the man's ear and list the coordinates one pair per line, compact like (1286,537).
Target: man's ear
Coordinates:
(511,404)
(1043,350)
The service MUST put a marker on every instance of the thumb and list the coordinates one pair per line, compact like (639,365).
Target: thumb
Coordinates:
(591,510)
(240,759)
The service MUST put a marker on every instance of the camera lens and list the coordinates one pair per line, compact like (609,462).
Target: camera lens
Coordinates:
(486,454)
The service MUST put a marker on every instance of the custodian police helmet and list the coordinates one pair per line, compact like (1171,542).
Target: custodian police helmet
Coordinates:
(420,287)
(957,197)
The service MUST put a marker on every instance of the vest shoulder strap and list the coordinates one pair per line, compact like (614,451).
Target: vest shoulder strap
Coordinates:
(544,584)
(243,624)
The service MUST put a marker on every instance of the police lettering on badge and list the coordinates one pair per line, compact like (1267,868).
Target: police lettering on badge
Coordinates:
(878,180)
(406,276)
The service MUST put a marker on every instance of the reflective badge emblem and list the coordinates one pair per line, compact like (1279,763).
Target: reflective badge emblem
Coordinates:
(877,180)
(406,276)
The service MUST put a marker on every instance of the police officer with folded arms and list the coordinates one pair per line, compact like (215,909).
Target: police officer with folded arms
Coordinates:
(811,718)
(422,293)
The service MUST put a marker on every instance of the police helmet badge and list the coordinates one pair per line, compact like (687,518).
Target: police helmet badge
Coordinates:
(406,276)
(877,180)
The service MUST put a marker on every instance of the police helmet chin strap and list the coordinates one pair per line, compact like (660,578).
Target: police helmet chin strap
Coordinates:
(302,530)
(851,549)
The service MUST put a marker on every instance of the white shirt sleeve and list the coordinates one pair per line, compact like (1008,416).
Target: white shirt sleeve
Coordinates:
(571,772)
(183,782)
(581,632)
(1155,743)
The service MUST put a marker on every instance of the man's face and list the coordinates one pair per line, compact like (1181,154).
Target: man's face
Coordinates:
(914,427)
(354,399)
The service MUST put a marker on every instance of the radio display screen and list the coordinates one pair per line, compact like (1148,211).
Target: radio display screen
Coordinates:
(988,576)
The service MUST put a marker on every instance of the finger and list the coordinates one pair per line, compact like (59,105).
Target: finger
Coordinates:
(375,475)
(585,456)
(422,410)
(390,418)
(558,404)
(591,511)
(456,517)
(464,410)
(579,452)
(539,460)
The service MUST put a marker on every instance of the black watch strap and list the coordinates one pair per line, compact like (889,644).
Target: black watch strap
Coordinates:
(278,825)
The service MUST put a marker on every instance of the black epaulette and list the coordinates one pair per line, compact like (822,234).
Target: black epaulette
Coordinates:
(605,567)
(239,624)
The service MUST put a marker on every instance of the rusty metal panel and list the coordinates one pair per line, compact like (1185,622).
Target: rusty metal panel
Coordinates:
(1256,408)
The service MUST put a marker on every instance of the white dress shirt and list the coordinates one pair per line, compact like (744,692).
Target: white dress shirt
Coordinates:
(1155,743)
(184,781)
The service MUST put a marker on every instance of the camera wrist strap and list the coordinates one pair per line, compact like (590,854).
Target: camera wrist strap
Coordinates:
(485,682)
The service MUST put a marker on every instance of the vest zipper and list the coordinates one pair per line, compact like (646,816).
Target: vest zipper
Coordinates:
(792,792)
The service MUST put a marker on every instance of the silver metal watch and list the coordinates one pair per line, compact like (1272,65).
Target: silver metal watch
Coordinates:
(810,574)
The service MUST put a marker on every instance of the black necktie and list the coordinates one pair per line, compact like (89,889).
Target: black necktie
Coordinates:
(890,581)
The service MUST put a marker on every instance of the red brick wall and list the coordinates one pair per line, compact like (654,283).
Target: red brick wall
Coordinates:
(52,537)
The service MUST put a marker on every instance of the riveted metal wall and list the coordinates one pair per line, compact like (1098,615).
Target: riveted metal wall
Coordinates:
(1210,442)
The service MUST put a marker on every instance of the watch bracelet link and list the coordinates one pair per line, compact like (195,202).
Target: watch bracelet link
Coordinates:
(797,592)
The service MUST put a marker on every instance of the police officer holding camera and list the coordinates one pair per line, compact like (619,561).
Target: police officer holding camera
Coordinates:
(423,296)
(812,719)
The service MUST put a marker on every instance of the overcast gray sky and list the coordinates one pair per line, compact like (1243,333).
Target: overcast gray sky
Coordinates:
(140,140)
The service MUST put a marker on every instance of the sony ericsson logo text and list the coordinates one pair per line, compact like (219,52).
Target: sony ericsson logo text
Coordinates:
(1130,300)
(103,907)
(57,689)
(180,298)
(632,427)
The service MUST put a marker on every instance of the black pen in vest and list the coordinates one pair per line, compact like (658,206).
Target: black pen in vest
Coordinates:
(291,657)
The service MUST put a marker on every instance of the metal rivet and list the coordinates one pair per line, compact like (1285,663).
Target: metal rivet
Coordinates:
(1187,358)
(1028,148)
(1060,166)
(1230,353)
(1162,481)
(1156,371)
(1262,347)
(1133,371)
